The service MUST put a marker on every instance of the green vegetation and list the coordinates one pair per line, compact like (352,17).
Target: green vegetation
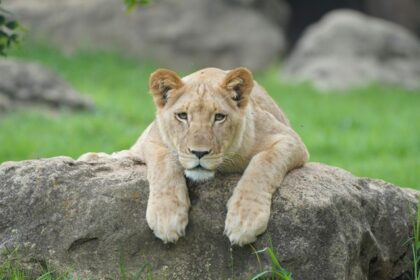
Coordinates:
(9,28)
(277,272)
(131,4)
(371,132)
(144,273)
(14,267)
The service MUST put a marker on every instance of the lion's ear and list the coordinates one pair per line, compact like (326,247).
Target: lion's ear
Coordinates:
(239,82)
(161,82)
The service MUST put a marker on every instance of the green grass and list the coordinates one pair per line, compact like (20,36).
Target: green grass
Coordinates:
(372,132)
(144,273)
(124,108)
(14,267)
(276,272)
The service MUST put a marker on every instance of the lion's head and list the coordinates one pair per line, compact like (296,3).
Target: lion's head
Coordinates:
(201,117)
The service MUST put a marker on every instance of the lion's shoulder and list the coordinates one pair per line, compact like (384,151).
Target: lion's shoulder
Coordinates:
(262,103)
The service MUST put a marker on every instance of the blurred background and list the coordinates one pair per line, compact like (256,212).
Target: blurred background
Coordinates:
(347,73)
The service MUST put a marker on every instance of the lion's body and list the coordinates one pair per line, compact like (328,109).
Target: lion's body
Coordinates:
(210,122)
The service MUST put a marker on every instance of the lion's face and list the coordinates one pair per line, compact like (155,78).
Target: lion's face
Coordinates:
(202,116)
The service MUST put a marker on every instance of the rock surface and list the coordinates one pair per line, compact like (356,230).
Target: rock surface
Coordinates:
(325,223)
(180,34)
(29,84)
(347,49)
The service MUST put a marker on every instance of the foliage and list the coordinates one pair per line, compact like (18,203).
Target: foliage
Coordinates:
(8,30)
(144,273)
(13,266)
(9,26)
(277,271)
(131,4)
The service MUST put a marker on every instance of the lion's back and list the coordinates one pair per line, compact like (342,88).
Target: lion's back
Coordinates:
(262,101)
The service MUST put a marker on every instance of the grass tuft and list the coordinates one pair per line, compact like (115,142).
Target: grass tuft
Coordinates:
(14,266)
(277,271)
(144,273)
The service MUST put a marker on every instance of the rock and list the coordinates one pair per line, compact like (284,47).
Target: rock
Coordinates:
(325,223)
(277,11)
(348,49)
(4,103)
(180,34)
(402,12)
(304,15)
(30,84)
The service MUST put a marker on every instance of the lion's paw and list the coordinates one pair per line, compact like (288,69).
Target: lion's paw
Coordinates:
(246,218)
(93,156)
(168,218)
(126,154)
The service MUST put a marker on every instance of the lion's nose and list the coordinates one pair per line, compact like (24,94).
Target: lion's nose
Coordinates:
(199,154)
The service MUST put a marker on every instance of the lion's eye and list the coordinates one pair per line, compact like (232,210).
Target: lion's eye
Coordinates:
(219,117)
(182,116)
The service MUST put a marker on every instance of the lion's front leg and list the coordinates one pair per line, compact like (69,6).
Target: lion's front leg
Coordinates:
(168,204)
(249,207)
(248,213)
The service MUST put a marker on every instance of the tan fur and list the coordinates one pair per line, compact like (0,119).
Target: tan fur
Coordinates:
(255,138)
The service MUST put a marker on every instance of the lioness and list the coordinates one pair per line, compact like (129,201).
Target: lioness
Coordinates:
(207,122)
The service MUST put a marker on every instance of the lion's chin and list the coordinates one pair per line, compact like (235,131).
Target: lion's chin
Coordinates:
(199,174)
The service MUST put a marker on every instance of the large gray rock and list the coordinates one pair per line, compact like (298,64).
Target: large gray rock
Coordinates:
(325,223)
(25,83)
(347,49)
(182,34)
(277,11)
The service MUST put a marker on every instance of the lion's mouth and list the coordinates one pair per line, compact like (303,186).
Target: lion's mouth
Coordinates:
(198,167)
(199,173)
